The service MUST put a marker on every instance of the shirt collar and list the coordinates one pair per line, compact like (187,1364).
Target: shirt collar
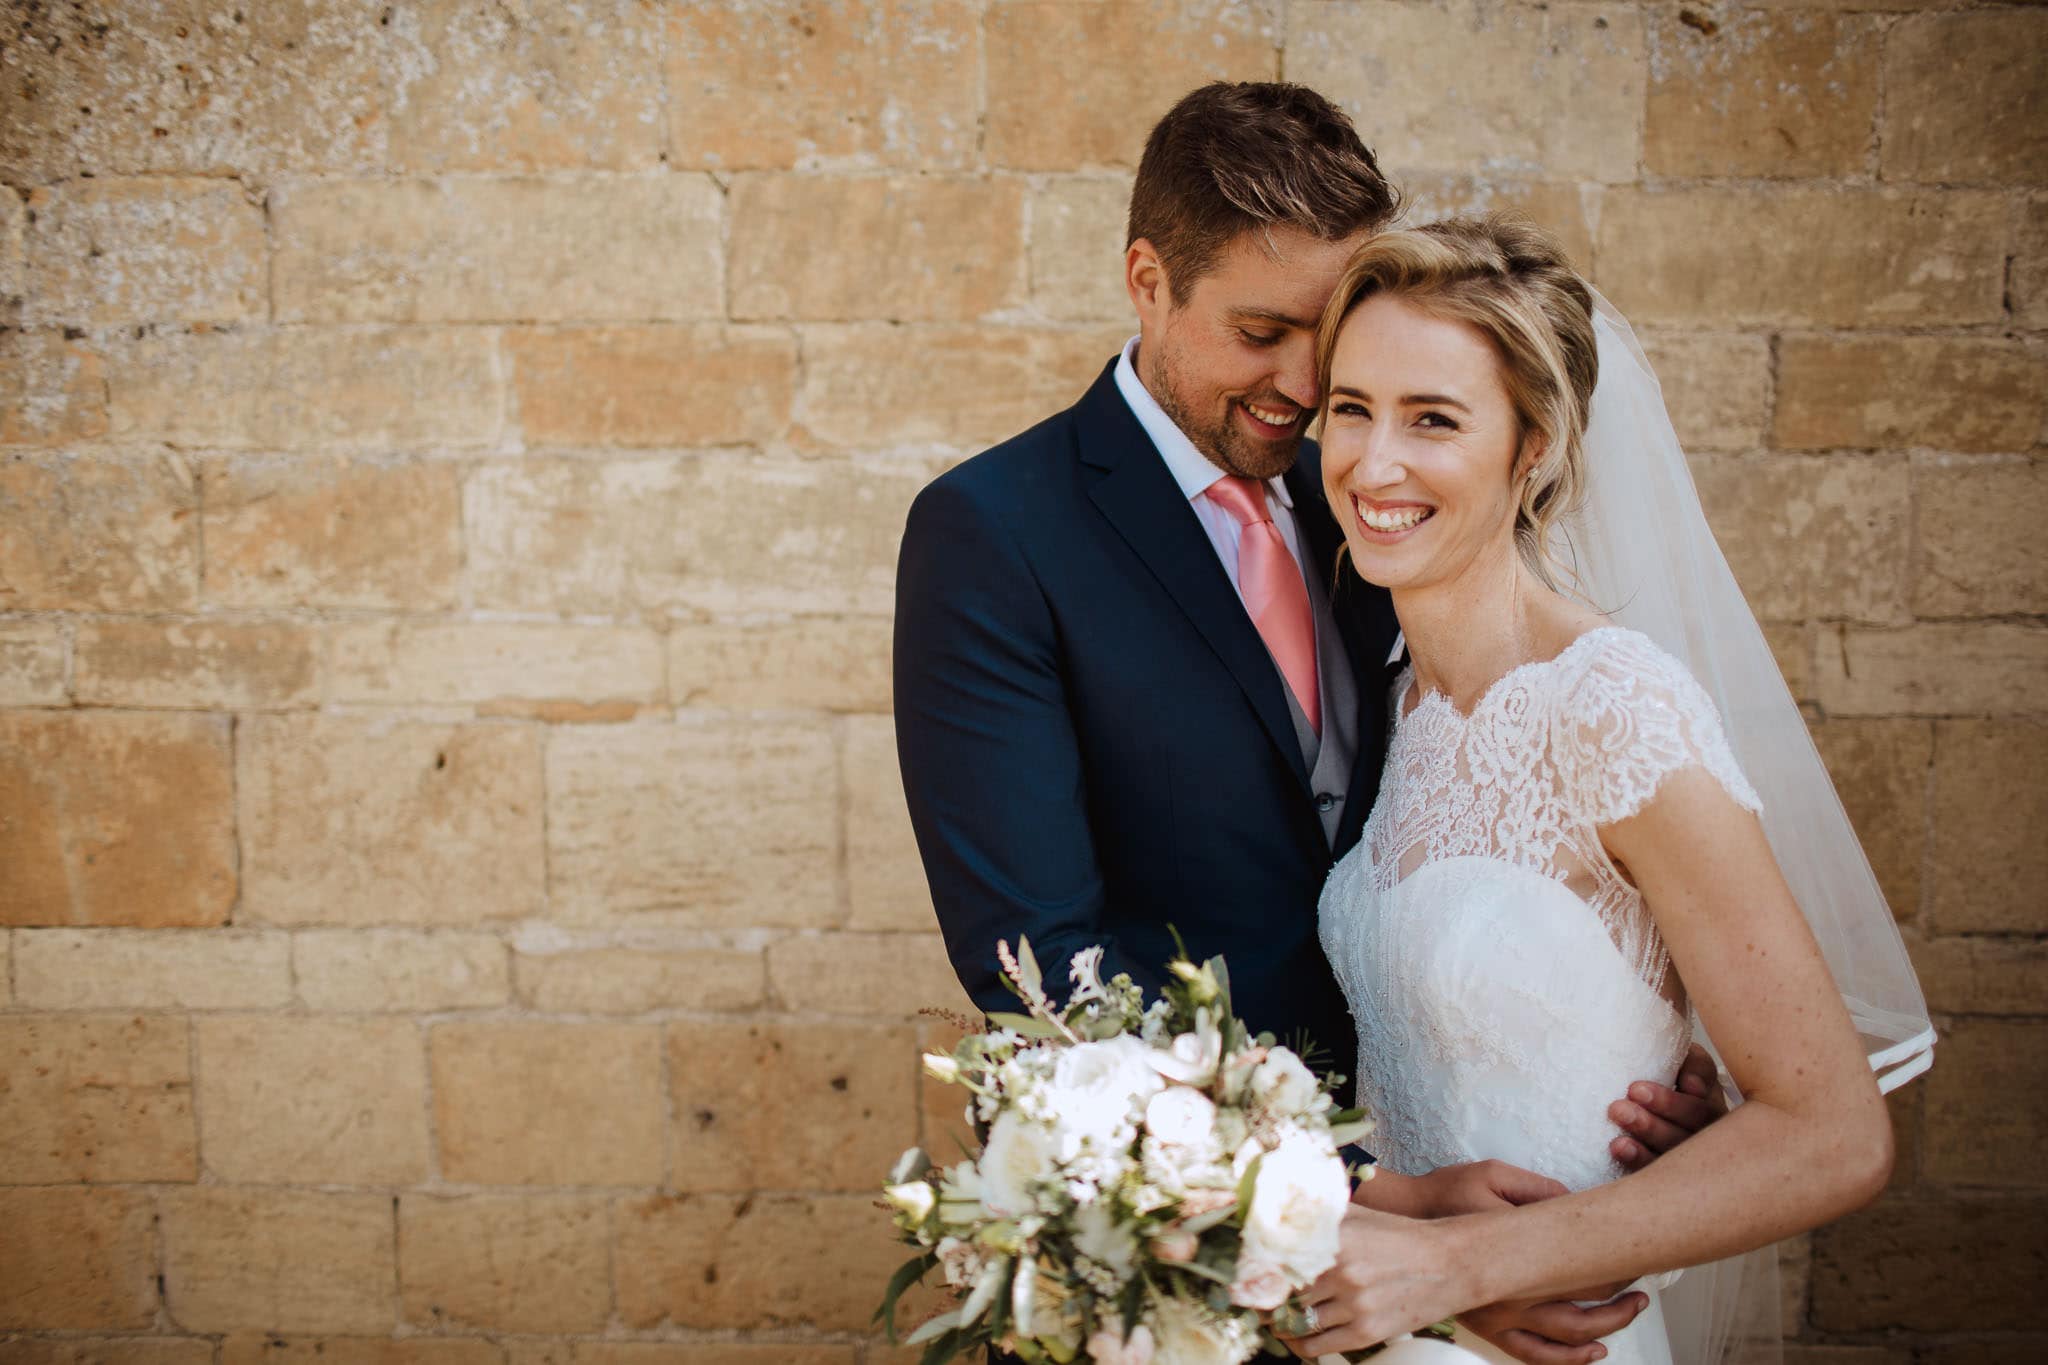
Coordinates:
(1190,468)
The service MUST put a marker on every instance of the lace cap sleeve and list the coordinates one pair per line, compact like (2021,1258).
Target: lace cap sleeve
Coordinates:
(1631,718)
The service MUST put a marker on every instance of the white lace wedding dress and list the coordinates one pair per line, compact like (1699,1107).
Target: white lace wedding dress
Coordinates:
(1507,982)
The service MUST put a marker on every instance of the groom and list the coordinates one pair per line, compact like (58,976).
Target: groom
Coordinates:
(1134,692)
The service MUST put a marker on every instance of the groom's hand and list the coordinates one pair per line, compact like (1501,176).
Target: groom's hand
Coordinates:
(1447,1191)
(1477,1187)
(1655,1118)
(1556,1333)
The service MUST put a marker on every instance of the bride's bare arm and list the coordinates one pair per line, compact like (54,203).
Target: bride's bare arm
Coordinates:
(1812,1141)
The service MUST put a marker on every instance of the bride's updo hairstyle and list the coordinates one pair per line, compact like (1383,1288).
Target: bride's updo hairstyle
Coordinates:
(1511,280)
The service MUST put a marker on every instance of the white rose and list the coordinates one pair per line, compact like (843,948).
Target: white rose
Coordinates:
(1282,1084)
(1182,1117)
(1297,1209)
(1094,1090)
(1189,1334)
(1193,1057)
(1018,1154)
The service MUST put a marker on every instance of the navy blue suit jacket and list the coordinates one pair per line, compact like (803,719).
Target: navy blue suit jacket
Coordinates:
(1094,740)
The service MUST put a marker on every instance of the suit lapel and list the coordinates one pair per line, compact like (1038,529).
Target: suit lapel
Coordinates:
(1138,496)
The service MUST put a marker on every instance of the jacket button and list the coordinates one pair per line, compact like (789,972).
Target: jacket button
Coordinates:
(1325,802)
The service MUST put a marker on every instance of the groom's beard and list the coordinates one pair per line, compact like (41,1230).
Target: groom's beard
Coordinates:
(1226,444)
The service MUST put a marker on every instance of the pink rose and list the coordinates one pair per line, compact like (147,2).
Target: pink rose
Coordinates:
(1109,1347)
(1259,1284)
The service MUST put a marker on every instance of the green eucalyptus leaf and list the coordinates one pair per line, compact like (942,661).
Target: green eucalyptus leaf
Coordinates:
(1206,1272)
(945,1347)
(1028,1025)
(1247,1184)
(1344,1134)
(944,1322)
(907,1274)
(1131,1303)
(1034,980)
(904,1278)
(912,1165)
(1202,1222)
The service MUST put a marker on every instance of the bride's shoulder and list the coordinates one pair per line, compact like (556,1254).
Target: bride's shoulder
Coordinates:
(1608,648)
(1613,666)
(1629,713)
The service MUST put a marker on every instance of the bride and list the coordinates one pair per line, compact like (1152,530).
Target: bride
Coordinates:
(1573,866)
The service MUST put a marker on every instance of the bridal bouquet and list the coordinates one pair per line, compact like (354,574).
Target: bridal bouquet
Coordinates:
(1154,1182)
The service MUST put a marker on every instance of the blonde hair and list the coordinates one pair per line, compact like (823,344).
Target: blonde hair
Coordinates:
(1511,280)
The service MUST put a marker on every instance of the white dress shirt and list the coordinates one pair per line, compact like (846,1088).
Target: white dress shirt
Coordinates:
(1194,472)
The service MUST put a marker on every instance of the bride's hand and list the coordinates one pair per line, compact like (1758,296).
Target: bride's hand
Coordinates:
(1393,1274)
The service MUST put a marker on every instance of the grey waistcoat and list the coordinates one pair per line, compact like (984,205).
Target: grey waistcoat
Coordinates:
(1330,758)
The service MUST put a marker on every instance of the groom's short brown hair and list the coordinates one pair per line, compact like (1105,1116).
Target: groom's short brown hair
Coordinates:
(1236,157)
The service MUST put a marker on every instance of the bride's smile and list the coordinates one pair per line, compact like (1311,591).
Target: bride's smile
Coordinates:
(1419,446)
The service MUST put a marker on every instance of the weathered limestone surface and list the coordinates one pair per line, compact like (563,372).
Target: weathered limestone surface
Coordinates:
(783,84)
(95,1097)
(247,1258)
(362,822)
(532,1103)
(1503,90)
(345,1097)
(111,817)
(917,264)
(487,250)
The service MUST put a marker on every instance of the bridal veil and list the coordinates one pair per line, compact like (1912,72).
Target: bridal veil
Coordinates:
(1640,550)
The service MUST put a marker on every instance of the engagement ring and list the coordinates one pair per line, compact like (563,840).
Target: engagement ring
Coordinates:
(1308,1315)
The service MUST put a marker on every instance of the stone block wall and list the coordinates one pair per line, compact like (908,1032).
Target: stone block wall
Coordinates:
(456,906)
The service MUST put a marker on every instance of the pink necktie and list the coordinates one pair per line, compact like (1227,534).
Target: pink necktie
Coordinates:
(1273,592)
